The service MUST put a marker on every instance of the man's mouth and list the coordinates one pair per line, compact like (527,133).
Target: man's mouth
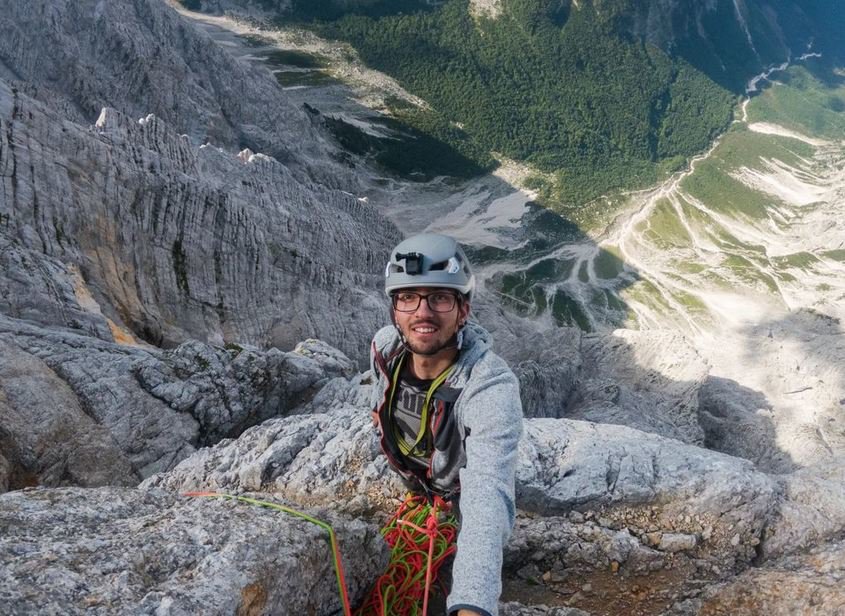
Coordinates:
(424,329)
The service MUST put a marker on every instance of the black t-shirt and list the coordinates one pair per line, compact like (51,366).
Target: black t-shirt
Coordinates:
(409,400)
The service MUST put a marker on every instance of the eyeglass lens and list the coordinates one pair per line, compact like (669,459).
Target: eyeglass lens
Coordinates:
(438,302)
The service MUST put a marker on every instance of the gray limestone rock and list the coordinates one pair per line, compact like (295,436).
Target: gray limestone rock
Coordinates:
(5,472)
(82,411)
(812,512)
(564,550)
(96,380)
(513,608)
(339,393)
(739,421)
(546,361)
(173,242)
(645,380)
(619,478)
(809,583)
(37,287)
(126,551)
(328,459)
(229,389)
(645,483)
(141,57)
(45,433)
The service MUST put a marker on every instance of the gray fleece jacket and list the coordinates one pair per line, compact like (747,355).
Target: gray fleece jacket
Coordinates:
(480,415)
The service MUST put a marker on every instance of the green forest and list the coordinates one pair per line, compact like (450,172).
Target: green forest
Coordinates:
(592,109)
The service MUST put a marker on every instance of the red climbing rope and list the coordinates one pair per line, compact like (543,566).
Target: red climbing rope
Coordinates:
(421,536)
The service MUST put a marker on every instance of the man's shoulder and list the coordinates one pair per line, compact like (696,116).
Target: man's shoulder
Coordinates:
(490,365)
(500,404)
(481,362)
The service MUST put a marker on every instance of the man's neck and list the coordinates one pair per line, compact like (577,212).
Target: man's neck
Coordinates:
(426,368)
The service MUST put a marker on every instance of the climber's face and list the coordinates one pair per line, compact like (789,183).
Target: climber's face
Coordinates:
(429,318)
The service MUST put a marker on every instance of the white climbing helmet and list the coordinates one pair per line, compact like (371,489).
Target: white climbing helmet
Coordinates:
(429,260)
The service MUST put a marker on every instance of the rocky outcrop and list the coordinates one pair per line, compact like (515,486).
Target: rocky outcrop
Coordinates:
(660,492)
(812,512)
(125,551)
(646,484)
(643,519)
(651,381)
(648,381)
(517,609)
(809,583)
(46,436)
(326,459)
(547,379)
(75,410)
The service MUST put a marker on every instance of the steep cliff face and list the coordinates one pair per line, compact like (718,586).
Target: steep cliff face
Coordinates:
(729,39)
(140,57)
(178,242)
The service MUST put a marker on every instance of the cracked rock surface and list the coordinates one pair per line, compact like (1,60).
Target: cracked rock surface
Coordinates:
(127,551)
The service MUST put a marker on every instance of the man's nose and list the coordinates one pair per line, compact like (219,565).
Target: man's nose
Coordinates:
(424,308)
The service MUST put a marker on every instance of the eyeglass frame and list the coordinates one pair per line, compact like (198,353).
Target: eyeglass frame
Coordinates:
(456,299)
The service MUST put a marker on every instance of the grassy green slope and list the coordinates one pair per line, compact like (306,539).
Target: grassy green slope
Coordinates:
(715,232)
(594,110)
(813,103)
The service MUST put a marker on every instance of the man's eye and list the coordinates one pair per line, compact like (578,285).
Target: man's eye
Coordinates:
(441,298)
(406,297)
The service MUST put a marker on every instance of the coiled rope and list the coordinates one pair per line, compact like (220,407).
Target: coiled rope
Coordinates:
(421,536)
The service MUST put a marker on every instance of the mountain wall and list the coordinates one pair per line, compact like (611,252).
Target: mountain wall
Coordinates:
(171,240)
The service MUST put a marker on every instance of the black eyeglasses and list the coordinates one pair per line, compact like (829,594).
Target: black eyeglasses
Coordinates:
(439,301)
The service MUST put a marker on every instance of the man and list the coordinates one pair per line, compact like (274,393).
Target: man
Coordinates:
(448,409)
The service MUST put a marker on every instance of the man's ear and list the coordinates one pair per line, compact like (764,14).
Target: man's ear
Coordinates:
(464,312)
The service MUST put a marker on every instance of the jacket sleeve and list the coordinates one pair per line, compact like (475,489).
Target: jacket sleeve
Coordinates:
(492,415)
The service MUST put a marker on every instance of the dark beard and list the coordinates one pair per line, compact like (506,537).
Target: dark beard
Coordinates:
(450,343)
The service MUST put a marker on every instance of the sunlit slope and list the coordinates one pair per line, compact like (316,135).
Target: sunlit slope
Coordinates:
(758,217)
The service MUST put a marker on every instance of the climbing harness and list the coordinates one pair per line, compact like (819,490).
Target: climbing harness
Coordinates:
(338,565)
(421,535)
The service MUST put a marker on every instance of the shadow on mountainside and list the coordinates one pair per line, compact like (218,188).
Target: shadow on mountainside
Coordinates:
(737,421)
(805,350)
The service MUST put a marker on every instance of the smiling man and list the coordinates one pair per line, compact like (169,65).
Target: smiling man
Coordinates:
(448,409)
